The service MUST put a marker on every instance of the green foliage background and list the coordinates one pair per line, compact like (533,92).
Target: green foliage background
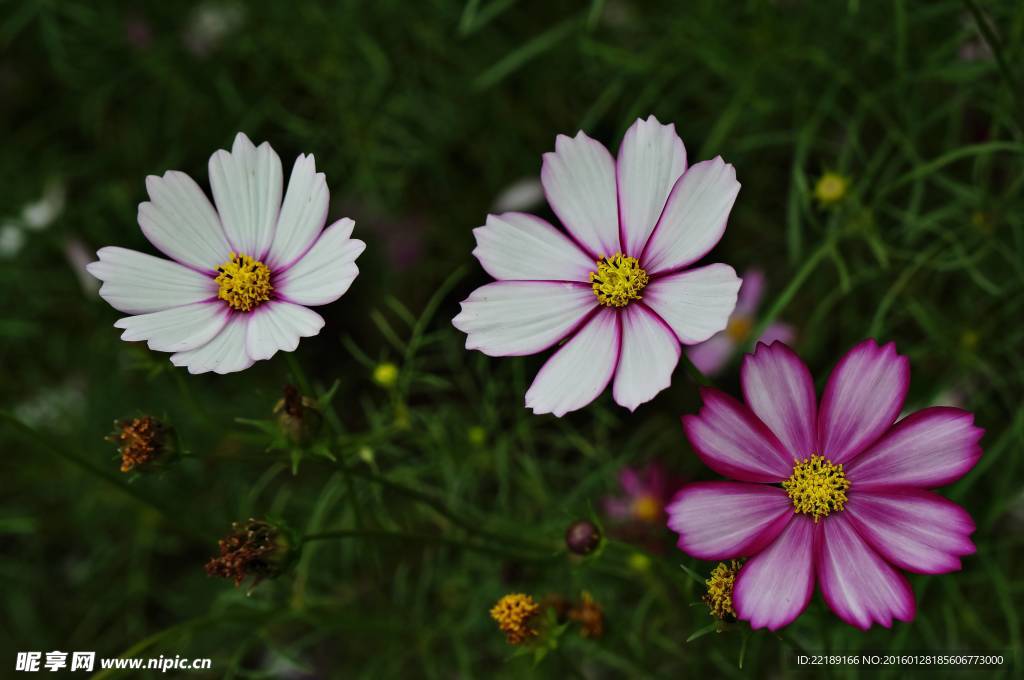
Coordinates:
(420,114)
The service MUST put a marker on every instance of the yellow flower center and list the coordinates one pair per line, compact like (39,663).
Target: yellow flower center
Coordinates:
(739,328)
(720,585)
(817,487)
(618,280)
(244,282)
(513,613)
(646,508)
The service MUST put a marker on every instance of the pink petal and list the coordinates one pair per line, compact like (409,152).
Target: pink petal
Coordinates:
(694,217)
(137,283)
(859,586)
(733,442)
(578,372)
(177,329)
(862,399)
(651,159)
(649,354)
(724,520)
(224,354)
(278,325)
(779,389)
(930,448)
(579,181)
(778,332)
(750,293)
(324,272)
(712,355)
(516,246)
(303,214)
(696,303)
(916,530)
(774,587)
(515,318)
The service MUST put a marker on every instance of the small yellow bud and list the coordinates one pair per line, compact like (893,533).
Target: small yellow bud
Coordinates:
(385,374)
(831,188)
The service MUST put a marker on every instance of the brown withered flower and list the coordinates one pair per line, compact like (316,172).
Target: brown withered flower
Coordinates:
(589,615)
(143,442)
(254,548)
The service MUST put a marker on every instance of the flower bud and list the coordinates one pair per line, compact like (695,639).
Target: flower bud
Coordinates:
(582,537)
(298,416)
(253,548)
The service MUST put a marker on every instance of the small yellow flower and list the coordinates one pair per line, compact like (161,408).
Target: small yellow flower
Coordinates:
(385,374)
(720,585)
(831,188)
(477,435)
(639,562)
(513,613)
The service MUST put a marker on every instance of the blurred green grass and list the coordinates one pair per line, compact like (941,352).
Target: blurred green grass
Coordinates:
(421,114)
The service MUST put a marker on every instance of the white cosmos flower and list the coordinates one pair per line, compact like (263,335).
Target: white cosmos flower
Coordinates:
(614,285)
(240,278)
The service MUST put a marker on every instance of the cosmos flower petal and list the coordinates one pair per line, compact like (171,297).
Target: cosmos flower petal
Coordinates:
(916,530)
(136,283)
(857,584)
(774,587)
(778,332)
(224,354)
(694,217)
(580,370)
(779,389)
(515,318)
(177,329)
(711,356)
(930,448)
(751,292)
(278,325)
(247,184)
(651,159)
(696,303)
(647,358)
(327,269)
(303,214)
(579,182)
(179,220)
(733,442)
(863,396)
(517,246)
(724,520)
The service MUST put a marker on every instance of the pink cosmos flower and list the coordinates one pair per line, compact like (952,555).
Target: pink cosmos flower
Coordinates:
(712,355)
(646,493)
(240,277)
(854,504)
(614,285)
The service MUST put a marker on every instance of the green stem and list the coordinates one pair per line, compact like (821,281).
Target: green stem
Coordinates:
(997,50)
(790,291)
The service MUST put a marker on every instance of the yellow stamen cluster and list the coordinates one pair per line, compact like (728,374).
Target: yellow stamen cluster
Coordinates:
(513,613)
(817,487)
(720,585)
(618,280)
(739,328)
(646,508)
(244,282)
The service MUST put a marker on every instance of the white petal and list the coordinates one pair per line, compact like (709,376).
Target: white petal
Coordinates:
(578,372)
(327,269)
(303,214)
(519,246)
(515,318)
(279,325)
(179,220)
(579,181)
(224,354)
(649,354)
(651,159)
(136,283)
(246,186)
(178,329)
(694,217)
(696,303)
